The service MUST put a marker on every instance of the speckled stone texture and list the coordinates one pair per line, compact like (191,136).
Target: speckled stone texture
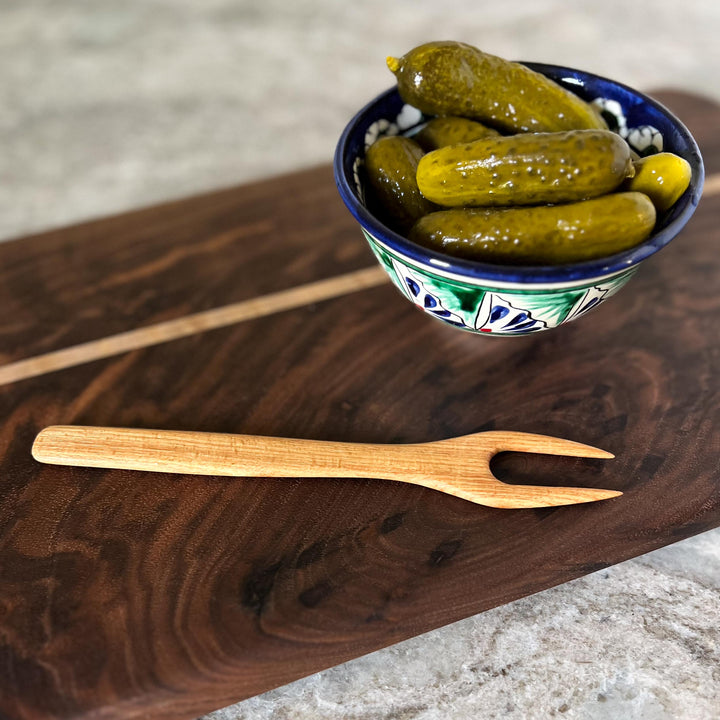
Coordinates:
(108,106)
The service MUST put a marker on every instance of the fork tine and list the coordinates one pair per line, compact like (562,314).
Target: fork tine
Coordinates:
(547,445)
(535,496)
(483,487)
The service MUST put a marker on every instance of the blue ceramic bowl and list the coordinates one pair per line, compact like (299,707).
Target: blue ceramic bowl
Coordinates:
(511,300)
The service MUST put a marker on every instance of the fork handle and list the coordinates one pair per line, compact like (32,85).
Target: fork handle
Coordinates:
(202,453)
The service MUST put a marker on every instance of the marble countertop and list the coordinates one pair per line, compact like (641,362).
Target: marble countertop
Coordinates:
(117,105)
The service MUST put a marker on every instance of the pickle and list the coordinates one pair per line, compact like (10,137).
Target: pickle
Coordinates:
(391,167)
(442,131)
(453,78)
(526,169)
(663,177)
(544,235)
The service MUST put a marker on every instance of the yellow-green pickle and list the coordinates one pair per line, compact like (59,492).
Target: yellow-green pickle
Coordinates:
(454,78)
(442,131)
(391,168)
(663,177)
(542,235)
(526,169)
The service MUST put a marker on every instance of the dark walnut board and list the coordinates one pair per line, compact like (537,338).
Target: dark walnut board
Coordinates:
(128,595)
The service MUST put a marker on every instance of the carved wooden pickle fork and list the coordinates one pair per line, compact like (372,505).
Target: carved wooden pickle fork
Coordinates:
(457,466)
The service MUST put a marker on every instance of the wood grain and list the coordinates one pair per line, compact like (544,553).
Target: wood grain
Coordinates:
(118,274)
(192,324)
(144,595)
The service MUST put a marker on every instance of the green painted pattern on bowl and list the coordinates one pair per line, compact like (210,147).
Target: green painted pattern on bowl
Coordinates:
(502,309)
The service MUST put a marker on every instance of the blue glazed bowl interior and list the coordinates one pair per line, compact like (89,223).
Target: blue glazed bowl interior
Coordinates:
(638,111)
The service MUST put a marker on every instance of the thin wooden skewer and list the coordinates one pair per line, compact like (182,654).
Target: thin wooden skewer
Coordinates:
(457,466)
(188,325)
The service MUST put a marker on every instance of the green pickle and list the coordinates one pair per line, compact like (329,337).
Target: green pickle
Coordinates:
(526,169)
(663,177)
(453,78)
(391,168)
(543,235)
(442,131)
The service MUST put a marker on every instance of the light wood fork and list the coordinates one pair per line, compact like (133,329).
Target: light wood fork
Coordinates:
(457,466)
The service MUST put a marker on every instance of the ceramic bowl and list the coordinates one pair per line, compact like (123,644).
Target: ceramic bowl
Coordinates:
(515,300)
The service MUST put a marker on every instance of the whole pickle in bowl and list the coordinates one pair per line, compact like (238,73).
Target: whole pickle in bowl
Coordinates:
(454,78)
(663,177)
(391,168)
(541,235)
(526,169)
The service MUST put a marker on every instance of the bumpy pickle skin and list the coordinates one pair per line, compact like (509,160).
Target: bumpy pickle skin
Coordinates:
(526,169)
(453,78)
(544,235)
(663,177)
(391,168)
(442,131)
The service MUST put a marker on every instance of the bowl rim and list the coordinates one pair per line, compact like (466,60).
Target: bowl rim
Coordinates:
(526,274)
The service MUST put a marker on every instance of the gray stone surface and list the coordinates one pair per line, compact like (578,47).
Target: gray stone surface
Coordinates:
(638,640)
(112,105)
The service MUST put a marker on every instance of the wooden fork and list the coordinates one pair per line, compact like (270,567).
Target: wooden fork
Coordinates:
(457,466)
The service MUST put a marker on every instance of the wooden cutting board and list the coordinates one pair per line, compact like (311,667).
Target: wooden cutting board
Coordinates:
(260,310)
